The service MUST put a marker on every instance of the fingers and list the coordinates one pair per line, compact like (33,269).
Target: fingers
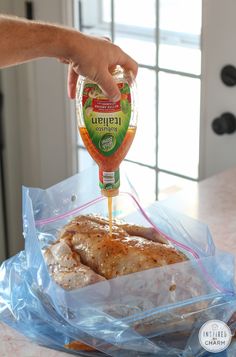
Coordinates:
(109,86)
(129,64)
(106,38)
(63,60)
(71,82)
(101,72)
(105,81)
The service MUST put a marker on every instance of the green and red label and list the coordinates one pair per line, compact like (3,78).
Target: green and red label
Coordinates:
(109,180)
(107,122)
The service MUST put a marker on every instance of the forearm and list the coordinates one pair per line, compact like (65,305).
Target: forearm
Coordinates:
(23,40)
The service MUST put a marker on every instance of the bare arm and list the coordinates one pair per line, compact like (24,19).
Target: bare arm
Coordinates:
(22,40)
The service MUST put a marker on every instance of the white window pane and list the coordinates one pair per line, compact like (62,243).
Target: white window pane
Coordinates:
(96,17)
(134,32)
(79,140)
(106,10)
(181,16)
(143,148)
(143,50)
(142,179)
(170,184)
(180,29)
(180,58)
(84,160)
(131,13)
(178,128)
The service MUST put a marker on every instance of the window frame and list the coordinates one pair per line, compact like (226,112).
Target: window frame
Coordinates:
(161,37)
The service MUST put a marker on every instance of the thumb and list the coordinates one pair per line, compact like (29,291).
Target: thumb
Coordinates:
(109,86)
(72,78)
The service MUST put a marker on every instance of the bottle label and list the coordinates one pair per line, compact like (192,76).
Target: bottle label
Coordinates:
(107,122)
(109,180)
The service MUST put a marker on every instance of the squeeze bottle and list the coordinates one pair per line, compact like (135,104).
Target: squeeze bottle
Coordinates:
(107,128)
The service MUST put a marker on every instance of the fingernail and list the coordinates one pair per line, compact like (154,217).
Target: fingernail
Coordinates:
(130,77)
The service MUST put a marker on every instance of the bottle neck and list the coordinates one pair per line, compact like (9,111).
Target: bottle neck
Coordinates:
(110,193)
(109,182)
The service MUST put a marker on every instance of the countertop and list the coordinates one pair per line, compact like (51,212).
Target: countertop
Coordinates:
(14,344)
(212,201)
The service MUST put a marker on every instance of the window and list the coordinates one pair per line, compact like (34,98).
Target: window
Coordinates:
(166,43)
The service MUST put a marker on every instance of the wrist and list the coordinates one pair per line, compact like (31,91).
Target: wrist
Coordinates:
(51,40)
(66,43)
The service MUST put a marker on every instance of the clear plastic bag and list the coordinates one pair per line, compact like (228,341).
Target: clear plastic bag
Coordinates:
(154,312)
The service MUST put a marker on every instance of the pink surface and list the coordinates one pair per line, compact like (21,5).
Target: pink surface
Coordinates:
(212,201)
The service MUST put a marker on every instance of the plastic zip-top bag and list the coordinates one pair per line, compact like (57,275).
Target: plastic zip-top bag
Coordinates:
(156,312)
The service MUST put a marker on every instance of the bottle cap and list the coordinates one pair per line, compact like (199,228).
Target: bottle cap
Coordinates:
(110,193)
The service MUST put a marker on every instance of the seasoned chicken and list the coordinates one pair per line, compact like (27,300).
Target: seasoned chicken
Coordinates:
(66,268)
(86,253)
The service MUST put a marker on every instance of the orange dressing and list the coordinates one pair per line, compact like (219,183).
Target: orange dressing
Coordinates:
(79,346)
(110,214)
(112,162)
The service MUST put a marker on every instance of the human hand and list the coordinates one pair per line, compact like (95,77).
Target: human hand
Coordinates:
(96,58)
(22,40)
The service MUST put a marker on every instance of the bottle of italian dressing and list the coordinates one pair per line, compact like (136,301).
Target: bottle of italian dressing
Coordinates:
(107,128)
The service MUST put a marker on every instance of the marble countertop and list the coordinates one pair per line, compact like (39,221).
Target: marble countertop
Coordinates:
(212,201)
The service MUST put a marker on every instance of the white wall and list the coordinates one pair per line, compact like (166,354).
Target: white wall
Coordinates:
(40,131)
(2,233)
(12,154)
(219,48)
(46,124)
